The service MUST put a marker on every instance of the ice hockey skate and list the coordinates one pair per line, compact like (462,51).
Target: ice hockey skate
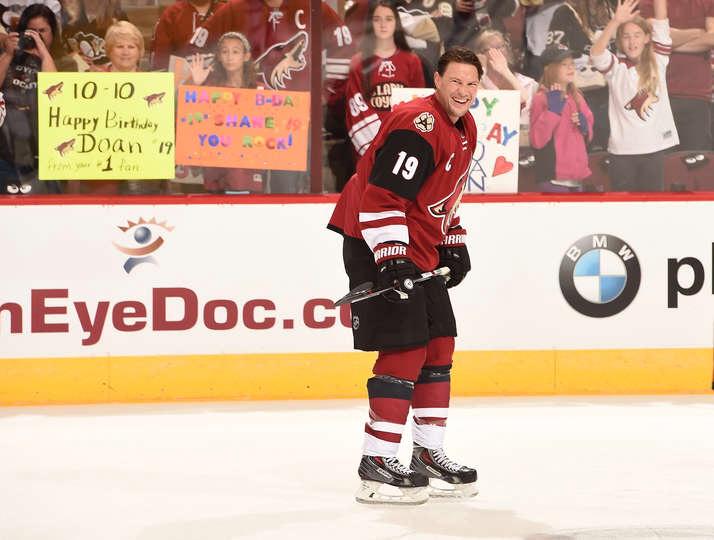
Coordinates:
(446,478)
(386,481)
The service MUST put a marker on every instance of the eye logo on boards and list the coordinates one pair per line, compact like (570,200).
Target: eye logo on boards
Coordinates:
(599,275)
(146,236)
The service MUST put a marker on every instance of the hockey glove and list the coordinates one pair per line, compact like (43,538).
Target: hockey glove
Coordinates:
(394,269)
(454,254)
(556,102)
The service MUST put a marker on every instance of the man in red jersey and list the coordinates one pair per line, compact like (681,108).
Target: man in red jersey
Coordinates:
(398,218)
(176,27)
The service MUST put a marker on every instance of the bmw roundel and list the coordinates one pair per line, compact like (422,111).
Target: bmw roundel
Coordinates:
(599,275)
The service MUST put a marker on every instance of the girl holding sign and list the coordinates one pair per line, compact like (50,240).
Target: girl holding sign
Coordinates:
(561,125)
(231,68)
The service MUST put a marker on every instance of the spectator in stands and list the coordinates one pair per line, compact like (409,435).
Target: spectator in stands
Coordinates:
(538,18)
(10,11)
(25,53)
(561,125)
(575,25)
(84,25)
(385,63)
(176,28)
(279,32)
(125,47)
(642,126)
(427,24)
(689,77)
(494,50)
(232,68)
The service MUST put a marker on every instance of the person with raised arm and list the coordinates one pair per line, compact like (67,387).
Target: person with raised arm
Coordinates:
(642,127)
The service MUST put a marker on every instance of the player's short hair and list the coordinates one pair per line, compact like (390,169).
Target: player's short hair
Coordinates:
(462,55)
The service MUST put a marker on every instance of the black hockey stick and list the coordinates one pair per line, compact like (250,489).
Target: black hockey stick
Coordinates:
(367,290)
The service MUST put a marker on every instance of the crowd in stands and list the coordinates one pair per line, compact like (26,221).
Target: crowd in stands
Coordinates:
(615,94)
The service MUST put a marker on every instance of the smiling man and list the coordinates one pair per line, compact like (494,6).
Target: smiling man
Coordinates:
(398,218)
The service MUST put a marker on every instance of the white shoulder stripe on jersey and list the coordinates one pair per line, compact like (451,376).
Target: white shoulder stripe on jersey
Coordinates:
(332,68)
(389,233)
(364,217)
(359,125)
(365,135)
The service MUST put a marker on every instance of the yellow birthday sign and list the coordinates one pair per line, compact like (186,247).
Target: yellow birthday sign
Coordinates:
(100,126)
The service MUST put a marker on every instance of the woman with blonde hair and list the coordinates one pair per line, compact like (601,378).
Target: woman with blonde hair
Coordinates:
(641,122)
(125,47)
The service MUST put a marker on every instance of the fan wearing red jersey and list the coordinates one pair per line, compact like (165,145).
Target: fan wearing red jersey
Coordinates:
(397,215)
(385,62)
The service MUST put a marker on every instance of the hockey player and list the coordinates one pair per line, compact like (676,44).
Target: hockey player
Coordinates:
(385,63)
(398,218)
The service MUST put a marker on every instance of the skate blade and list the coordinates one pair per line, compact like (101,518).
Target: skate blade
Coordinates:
(439,488)
(378,493)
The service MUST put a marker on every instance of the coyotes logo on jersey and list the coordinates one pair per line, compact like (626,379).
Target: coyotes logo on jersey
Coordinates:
(642,104)
(387,69)
(446,208)
(274,67)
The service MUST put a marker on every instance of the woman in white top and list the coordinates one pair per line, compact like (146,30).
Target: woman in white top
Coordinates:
(641,122)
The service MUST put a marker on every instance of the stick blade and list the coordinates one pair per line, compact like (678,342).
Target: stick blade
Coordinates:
(355,293)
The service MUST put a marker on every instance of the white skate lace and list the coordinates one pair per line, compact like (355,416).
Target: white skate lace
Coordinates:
(444,461)
(393,464)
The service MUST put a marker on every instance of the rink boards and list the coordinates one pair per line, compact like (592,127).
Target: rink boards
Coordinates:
(157,301)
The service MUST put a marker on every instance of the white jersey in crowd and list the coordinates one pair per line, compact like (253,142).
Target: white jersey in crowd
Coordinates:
(537,25)
(640,123)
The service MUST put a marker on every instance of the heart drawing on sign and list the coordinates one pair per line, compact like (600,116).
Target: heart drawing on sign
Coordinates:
(502,166)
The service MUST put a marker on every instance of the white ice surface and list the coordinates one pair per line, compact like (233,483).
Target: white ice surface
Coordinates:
(553,467)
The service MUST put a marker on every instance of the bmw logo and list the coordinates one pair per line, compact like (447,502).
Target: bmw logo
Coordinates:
(599,275)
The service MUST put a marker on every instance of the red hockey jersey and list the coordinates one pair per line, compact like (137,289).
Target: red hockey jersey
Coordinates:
(281,39)
(366,108)
(409,184)
(174,30)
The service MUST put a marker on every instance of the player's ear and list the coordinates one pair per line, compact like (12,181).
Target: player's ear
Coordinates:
(437,80)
